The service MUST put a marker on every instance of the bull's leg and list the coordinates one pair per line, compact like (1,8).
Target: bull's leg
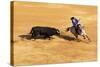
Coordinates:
(76,36)
(36,35)
(33,36)
(48,37)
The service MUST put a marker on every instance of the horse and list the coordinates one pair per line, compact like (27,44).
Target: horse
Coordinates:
(80,31)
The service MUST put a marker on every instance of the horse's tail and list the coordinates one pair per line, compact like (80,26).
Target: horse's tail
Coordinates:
(68,29)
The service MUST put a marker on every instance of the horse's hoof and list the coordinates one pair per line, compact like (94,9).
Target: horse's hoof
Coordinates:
(90,41)
(84,38)
(33,39)
(49,39)
(78,40)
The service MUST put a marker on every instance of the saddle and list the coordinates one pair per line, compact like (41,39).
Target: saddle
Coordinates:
(78,29)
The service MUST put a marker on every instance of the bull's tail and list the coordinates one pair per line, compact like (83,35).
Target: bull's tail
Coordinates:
(31,31)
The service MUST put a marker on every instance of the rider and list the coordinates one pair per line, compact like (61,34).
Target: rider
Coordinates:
(75,22)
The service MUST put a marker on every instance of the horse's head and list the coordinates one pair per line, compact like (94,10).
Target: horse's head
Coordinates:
(79,26)
(68,29)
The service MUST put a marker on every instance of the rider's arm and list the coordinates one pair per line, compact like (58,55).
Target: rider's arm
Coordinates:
(76,21)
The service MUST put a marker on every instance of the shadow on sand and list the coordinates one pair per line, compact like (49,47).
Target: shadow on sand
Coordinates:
(65,37)
(28,37)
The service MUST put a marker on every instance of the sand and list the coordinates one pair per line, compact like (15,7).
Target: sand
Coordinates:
(56,50)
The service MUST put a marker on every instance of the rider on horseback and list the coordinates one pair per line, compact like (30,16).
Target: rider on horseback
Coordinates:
(75,22)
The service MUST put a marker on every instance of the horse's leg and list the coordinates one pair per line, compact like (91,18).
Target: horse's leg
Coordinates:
(76,36)
(49,38)
(83,36)
(87,37)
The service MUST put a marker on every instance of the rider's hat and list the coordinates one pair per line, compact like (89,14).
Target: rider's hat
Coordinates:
(72,18)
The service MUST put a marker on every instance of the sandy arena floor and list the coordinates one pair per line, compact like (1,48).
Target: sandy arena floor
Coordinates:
(56,50)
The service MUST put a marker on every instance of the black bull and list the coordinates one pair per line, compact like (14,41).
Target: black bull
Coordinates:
(43,32)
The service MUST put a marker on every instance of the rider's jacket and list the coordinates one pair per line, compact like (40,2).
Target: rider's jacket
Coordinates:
(75,22)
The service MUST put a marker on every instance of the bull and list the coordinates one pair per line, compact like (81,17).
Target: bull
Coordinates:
(43,32)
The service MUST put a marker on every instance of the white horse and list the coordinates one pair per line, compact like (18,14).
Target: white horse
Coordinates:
(80,32)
